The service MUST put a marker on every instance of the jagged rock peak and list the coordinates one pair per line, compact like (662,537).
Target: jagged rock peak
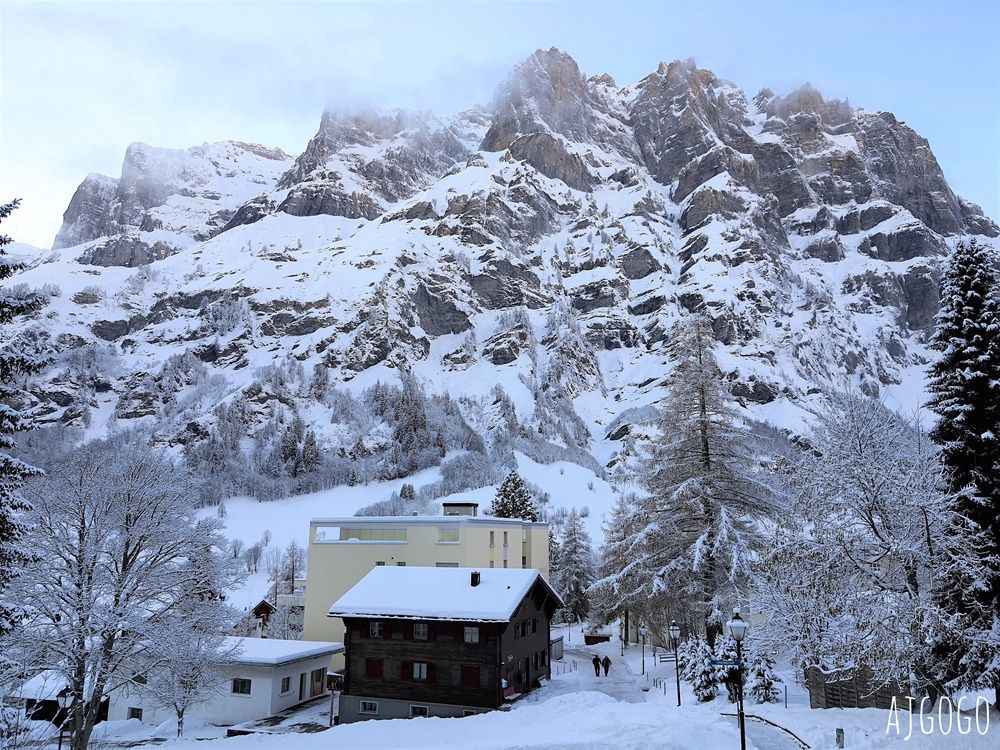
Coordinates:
(226,173)
(547,93)
(342,130)
(544,93)
(807,99)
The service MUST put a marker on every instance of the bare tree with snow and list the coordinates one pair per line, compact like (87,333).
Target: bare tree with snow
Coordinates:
(115,535)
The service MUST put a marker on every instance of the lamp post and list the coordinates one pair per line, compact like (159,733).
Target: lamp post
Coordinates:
(737,628)
(675,633)
(65,700)
(643,632)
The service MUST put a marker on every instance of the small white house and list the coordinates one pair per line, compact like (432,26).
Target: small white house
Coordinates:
(266,676)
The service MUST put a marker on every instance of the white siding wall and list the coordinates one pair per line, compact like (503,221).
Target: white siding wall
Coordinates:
(225,708)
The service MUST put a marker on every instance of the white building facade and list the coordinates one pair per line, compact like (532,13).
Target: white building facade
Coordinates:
(266,676)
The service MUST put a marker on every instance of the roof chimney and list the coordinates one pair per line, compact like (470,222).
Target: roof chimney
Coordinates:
(475,578)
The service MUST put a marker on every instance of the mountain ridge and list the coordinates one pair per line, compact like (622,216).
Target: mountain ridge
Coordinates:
(544,245)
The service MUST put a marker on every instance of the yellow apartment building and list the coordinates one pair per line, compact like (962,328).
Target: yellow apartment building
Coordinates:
(343,550)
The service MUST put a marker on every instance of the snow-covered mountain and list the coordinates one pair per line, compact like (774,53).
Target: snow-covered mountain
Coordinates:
(544,244)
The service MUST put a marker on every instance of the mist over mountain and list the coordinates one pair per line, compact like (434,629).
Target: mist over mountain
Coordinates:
(414,288)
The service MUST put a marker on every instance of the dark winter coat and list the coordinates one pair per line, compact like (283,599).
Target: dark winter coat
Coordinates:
(607,665)
(597,666)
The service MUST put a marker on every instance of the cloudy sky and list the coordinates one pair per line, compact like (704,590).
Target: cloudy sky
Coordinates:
(80,81)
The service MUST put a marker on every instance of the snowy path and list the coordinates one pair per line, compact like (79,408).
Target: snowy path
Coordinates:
(764,736)
(620,682)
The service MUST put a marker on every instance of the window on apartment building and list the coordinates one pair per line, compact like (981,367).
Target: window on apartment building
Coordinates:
(420,631)
(419,671)
(286,685)
(469,712)
(470,676)
(472,634)
(491,563)
(369,707)
(447,535)
(400,564)
(133,713)
(524,561)
(416,711)
(373,534)
(493,538)
(375,629)
(379,563)
(505,539)
(373,669)
(445,565)
(241,686)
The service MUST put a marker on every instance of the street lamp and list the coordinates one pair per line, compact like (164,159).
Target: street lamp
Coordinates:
(737,628)
(643,632)
(675,633)
(65,700)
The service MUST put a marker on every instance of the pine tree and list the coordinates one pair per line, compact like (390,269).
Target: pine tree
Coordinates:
(965,393)
(707,496)
(12,471)
(513,500)
(622,574)
(725,650)
(576,568)
(702,673)
(761,677)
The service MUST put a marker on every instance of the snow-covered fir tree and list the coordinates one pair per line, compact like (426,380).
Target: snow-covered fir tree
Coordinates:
(762,682)
(576,568)
(13,472)
(621,577)
(513,500)
(965,393)
(553,556)
(707,495)
(703,675)
(725,650)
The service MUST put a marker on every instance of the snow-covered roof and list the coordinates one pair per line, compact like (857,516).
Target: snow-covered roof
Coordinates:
(44,686)
(270,652)
(438,593)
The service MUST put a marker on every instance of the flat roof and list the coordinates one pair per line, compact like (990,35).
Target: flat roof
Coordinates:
(270,652)
(426,521)
(438,593)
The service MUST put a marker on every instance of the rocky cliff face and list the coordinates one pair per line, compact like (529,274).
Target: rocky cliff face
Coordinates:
(555,237)
(165,200)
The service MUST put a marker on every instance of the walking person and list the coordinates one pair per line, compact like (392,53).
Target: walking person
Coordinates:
(607,665)
(597,666)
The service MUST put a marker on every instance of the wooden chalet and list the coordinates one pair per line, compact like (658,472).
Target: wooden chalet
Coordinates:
(443,641)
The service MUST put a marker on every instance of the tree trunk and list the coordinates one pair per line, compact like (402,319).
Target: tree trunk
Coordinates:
(180,722)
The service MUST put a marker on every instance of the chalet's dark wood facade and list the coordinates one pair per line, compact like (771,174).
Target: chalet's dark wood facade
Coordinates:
(462,663)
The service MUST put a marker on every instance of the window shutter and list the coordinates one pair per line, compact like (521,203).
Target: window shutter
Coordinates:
(431,672)
(432,632)
(406,670)
(408,631)
(459,633)
(364,628)
(482,635)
